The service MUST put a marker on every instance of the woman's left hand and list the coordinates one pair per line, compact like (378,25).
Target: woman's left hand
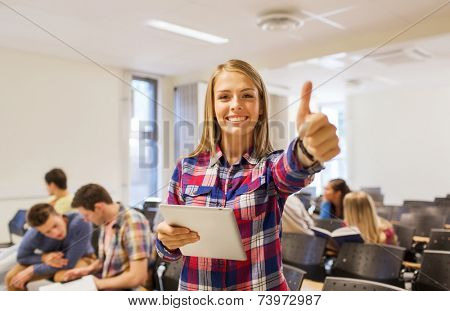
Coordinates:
(317,133)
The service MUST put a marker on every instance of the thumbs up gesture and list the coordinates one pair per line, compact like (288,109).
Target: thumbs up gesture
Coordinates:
(316,132)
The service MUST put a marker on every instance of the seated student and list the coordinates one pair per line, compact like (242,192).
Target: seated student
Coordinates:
(295,217)
(54,244)
(60,199)
(334,194)
(359,211)
(124,241)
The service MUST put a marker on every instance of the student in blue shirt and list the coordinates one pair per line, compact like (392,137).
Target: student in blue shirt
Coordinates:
(332,205)
(54,244)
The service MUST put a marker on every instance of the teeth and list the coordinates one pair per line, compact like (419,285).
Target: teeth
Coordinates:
(236,119)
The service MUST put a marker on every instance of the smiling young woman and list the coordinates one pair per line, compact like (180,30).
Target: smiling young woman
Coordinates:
(234,166)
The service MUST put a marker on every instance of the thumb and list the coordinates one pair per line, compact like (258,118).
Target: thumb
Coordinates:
(304,110)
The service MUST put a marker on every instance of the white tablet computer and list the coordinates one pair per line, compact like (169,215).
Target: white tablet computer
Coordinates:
(219,234)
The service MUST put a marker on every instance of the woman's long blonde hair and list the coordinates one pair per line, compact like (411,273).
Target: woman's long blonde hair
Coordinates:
(211,130)
(359,211)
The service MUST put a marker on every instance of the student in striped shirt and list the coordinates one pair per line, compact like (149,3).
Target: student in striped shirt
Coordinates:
(235,166)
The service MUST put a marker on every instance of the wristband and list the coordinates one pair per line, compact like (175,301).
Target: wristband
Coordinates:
(305,152)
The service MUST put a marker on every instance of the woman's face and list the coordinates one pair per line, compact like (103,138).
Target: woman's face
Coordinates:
(329,194)
(236,104)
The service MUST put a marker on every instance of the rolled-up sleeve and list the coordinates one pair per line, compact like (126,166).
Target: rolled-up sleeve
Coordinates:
(288,173)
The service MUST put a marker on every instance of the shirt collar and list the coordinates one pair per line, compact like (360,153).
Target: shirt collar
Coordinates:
(119,219)
(248,156)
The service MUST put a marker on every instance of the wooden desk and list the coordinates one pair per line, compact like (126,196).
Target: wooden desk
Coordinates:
(422,239)
(309,285)
(412,265)
(447,226)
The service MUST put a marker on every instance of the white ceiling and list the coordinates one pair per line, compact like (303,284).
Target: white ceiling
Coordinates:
(333,85)
(114,32)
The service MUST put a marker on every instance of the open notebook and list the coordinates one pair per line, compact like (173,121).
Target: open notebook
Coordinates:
(339,236)
(84,284)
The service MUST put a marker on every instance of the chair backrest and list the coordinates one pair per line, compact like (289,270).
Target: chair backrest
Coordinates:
(294,276)
(434,273)
(374,262)
(398,211)
(171,276)
(439,240)
(442,201)
(374,192)
(300,249)
(385,211)
(417,203)
(422,223)
(17,225)
(329,224)
(349,284)
(405,235)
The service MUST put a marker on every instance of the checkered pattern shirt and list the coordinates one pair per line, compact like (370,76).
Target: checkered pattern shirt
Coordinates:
(256,189)
(130,242)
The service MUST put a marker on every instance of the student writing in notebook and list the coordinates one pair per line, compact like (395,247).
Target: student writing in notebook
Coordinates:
(234,166)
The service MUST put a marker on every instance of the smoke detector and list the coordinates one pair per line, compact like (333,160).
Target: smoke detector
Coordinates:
(280,21)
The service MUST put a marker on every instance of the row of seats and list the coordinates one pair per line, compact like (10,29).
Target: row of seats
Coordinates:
(357,267)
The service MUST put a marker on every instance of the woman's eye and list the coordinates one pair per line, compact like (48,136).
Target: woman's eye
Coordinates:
(248,95)
(223,97)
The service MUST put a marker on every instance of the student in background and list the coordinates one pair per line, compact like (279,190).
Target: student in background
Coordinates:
(295,216)
(60,199)
(334,194)
(235,166)
(360,211)
(54,244)
(124,242)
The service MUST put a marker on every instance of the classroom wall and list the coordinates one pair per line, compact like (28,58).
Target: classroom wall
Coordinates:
(57,113)
(398,138)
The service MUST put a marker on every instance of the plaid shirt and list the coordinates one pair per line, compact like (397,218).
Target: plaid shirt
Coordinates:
(256,189)
(130,242)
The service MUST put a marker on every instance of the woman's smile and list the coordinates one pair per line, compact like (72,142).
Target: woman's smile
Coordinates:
(236,120)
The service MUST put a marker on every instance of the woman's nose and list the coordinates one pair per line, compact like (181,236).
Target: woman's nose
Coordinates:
(235,104)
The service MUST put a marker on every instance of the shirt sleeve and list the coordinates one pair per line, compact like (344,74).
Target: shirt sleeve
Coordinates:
(137,237)
(25,253)
(174,197)
(288,173)
(325,210)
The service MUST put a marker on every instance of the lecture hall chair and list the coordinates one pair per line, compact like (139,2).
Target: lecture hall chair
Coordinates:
(434,273)
(373,262)
(294,276)
(439,240)
(305,252)
(349,284)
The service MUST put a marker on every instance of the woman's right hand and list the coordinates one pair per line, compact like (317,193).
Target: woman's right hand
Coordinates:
(175,237)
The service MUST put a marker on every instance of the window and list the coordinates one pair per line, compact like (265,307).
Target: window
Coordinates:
(143,149)
(337,167)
